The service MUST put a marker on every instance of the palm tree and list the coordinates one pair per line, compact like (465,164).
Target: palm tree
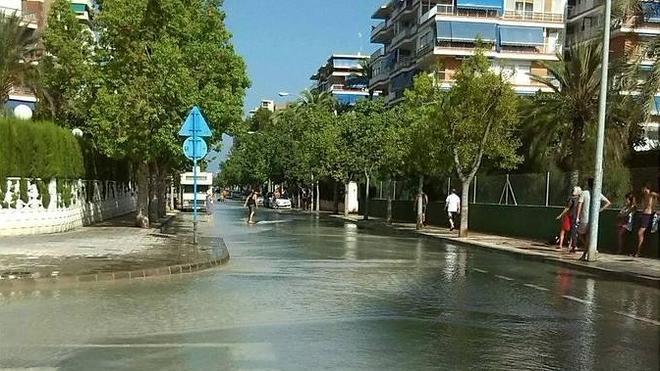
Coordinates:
(315,97)
(573,105)
(18,47)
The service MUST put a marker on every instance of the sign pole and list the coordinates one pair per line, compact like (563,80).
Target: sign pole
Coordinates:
(194,136)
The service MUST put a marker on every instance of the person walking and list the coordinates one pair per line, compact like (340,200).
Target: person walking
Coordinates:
(568,217)
(251,204)
(584,204)
(646,216)
(624,221)
(453,207)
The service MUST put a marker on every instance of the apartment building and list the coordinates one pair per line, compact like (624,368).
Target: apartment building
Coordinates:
(437,35)
(344,77)
(34,14)
(585,22)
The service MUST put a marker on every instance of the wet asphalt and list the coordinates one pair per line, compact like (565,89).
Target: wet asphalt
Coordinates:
(306,292)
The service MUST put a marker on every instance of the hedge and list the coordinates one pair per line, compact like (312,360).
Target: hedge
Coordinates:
(42,149)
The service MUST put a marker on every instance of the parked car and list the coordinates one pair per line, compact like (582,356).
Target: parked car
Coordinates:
(281,203)
(260,201)
(268,200)
(237,195)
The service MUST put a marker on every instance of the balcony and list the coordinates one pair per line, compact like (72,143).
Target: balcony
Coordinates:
(377,54)
(29,19)
(584,7)
(516,15)
(403,34)
(381,32)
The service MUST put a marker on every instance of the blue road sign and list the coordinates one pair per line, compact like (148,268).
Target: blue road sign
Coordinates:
(195,148)
(195,125)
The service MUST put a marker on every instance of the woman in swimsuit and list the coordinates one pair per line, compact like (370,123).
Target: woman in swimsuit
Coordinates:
(251,204)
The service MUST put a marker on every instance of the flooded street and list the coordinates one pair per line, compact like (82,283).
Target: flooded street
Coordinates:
(303,292)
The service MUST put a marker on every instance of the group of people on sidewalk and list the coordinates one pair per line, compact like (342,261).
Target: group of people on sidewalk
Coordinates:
(575,217)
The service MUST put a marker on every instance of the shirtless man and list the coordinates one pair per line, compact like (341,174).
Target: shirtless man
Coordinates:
(649,201)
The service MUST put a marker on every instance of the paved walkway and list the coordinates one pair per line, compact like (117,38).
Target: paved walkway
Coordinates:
(109,249)
(641,270)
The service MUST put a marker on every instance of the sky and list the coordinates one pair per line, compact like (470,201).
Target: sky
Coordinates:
(284,42)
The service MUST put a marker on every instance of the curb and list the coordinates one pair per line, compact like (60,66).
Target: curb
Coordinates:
(624,276)
(169,270)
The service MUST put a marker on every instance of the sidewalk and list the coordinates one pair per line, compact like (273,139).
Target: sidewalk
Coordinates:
(114,249)
(641,270)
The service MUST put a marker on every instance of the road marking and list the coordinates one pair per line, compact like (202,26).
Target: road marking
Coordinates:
(479,270)
(541,288)
(643,319)
(576,299)
(504,277)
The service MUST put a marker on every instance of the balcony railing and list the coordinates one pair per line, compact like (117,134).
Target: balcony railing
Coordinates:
(377,54)
(402,34)
(575,10)
(449,10)
(533,16)
(378,28)
(27,17)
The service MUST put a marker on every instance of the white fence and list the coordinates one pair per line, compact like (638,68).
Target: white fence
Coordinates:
(73,204)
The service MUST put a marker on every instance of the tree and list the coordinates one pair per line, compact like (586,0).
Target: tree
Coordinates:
(18,50)
(424,156)
(477,118)
(154,61)
(66,70)
(573,105)
(260,120)
(395,147)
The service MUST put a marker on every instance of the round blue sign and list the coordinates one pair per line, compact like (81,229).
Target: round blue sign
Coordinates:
(195,149)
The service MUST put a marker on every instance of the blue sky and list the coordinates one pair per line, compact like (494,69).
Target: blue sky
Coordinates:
(285,41)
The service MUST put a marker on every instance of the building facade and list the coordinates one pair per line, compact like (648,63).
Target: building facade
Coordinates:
(34,13)
(437,35)
(628,36)
(344,76)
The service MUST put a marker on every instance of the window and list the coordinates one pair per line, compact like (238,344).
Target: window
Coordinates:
(524,7)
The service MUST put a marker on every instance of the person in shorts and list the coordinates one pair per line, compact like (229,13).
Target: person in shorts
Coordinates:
(568,217)
(251,204)
(646,216)
(453,207)
(584,205)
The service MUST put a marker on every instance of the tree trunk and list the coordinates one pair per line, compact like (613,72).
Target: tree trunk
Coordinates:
(573,179)
(142,217)
(346,198)
(318,197)
(366,197)
(161,190)
(153,192)
(389,202)
(335,197)
(420,204)
(465,199)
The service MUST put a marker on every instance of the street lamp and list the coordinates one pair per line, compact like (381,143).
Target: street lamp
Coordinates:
(600,140)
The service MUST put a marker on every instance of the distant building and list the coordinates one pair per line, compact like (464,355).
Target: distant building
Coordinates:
(585,22)
(422,35)
(344,77)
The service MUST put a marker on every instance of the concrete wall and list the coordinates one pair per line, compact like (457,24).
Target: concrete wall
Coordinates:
(532,222)
(35,218)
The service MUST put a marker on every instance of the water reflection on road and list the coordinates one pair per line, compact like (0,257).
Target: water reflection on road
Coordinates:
(303,292)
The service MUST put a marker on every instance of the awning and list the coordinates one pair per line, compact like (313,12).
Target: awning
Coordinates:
(510,35)
(469,31)
(443,31)
(651,11)
(79,8)
(480,4)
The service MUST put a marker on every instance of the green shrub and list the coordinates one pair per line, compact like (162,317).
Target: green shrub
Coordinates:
(23,189)
(42,185)
(41,149)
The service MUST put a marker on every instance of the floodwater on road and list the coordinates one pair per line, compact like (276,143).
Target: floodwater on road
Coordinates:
(307,292)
